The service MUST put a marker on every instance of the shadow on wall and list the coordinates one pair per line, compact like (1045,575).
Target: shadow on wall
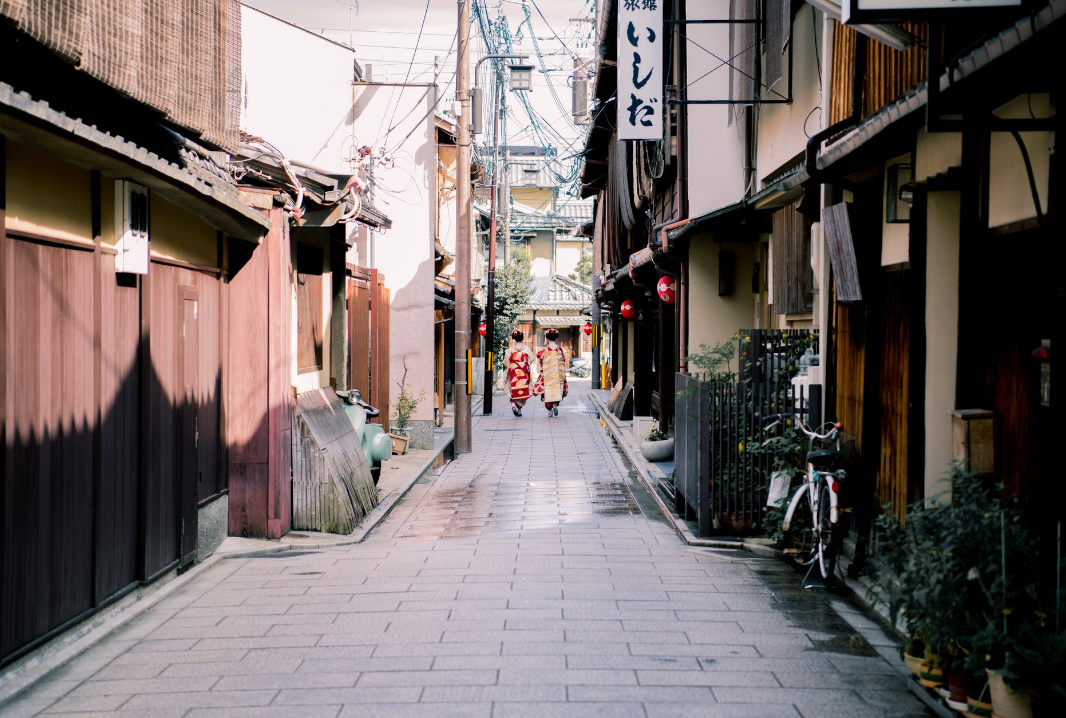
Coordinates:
(111,442)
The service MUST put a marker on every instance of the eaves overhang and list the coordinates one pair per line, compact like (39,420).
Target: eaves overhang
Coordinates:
(963,86)
(44,129)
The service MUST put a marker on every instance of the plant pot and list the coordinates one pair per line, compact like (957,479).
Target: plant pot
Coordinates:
(657,450)
(931,672)
(956,698)
(399,443)
(736,525)
(914,663)
(1007,702)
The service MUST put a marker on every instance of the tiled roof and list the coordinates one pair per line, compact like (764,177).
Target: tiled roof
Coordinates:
(557,292)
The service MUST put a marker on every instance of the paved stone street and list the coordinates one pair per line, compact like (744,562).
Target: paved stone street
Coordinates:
(530,578)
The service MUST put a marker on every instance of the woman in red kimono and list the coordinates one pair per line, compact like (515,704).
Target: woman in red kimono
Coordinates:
(518,360)
(551,384)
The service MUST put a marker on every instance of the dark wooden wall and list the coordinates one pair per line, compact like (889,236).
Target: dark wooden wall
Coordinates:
(259,405)
(90,508)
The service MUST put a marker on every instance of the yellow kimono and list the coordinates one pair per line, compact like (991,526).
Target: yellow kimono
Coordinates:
(552,380)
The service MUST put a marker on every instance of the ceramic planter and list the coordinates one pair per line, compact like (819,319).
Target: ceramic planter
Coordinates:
(931,673)
(956,697)
(658,450)
(399,443)
(1007,702)
(914,663)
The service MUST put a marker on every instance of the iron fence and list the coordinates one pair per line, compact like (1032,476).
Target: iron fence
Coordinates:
(721,468)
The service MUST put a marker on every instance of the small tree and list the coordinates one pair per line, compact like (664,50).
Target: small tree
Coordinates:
(406,402)
(512,300)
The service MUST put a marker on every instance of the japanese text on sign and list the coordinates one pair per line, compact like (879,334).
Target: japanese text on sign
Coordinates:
(640,72)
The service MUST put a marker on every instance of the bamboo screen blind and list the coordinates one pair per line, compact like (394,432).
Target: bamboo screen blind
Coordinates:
(791,246)
(181,57)
(889,73)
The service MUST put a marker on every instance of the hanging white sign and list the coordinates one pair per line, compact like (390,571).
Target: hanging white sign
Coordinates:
(866,11)
(640,71)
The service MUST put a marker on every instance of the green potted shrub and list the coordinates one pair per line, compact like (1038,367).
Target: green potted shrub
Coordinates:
(404,409)
(657,446)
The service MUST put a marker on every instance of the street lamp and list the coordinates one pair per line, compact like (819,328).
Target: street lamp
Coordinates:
(521,80)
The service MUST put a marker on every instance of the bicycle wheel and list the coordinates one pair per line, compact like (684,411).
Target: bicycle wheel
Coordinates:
(827,535)
(799,537)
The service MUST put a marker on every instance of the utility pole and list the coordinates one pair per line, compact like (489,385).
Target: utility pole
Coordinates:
(462,238)
(490,318)
(505,185)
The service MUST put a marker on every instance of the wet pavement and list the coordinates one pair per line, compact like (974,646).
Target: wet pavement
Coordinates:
(532,577)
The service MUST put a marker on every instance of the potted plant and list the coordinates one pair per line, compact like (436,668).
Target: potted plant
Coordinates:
(406,403)
(657,446)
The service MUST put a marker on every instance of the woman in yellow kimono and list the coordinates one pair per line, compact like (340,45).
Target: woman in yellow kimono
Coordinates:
(518,360)
(551,384)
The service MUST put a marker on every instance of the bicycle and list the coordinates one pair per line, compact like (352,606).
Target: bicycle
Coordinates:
(811,526)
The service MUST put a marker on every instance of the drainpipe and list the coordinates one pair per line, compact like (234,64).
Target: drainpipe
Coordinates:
(858,76)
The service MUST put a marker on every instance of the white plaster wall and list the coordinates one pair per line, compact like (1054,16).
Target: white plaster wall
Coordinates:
(405,190)
(895,236)
(1010,198)
(942,330)
(715,151)
(936,153)
(567,255)
(712,318)
(296,91)
(781,127)
(540,254)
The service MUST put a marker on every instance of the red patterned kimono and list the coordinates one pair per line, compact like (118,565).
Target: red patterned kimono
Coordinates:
(519,359)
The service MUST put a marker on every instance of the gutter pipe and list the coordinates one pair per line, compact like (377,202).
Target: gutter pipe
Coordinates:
(858,76)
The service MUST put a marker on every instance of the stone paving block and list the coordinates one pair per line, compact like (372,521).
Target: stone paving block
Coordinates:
(554,662)
(712,710)
(264,712)
(627,662)
(126,712)
(306,638)
(645,637)
(429,678)
(438,649)
(145,685)
(568,710)
(418,710)
(204,699)
(141,658)
(324,653)
(129,672)
(746,679)
(185,670)
(279,681)
(83,704)
(602,677)
(496,694)
(651,694)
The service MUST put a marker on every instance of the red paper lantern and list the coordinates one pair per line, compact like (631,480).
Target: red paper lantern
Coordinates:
(588,328)
(628,312)
(667,289)
(482,330)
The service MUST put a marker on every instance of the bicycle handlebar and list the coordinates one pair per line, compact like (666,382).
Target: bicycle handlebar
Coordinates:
(831,434)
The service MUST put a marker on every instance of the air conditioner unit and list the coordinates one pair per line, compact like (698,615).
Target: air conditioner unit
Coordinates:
(131,227)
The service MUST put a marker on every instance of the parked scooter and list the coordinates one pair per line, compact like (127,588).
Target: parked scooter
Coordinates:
(580,367)
(376,443)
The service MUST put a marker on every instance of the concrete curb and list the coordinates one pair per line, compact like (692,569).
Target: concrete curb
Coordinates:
(632,453)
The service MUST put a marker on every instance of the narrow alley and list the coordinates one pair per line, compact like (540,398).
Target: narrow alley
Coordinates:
(531,577)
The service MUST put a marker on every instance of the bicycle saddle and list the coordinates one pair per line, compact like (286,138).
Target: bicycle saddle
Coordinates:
(824,459)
